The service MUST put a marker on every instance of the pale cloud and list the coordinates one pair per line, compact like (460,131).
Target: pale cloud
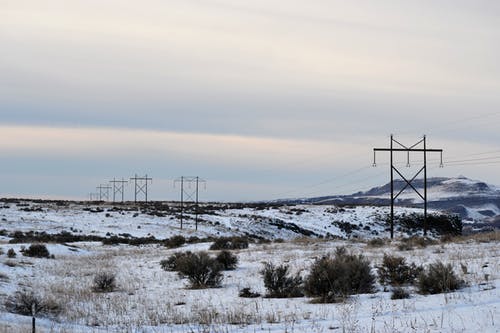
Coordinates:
(259,92)
(222,150)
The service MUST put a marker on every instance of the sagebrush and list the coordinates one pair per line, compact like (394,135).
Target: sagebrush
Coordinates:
(227,260)
(395,271)
(104,282)
(200,269)
(335,277)
(280,283)
(438,278)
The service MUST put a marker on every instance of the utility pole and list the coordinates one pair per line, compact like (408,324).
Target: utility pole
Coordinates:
(93,196)
(118,187)
(408,150)
(141,186)
(103,192)
(192,195)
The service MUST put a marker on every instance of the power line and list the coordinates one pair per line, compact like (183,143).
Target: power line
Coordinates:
(329,180)
(474,159)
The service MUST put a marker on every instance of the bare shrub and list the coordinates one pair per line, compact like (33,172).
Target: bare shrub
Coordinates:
(104,282)
(11,253)
(37,251)
(28,303)
(227,260)
(200,269)
(395,271)
(334,278)
(229,243)
(279,283)
(438,278)
(248,293)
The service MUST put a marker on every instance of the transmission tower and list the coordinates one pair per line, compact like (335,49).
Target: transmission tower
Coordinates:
(141,186)
(414,148)
(103,192)
(93,196)
(118,187)
(190,193)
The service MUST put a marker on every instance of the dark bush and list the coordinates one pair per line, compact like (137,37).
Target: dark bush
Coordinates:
(201,270)
(229,243)
(333,278)
(395,271)
(104,282)
(440,224)
(248,293)
(175,241)
(37,250)
(227,260)
(400,293)
(279,283)
(27,303)
(171,263)
(11,253)
(438,278)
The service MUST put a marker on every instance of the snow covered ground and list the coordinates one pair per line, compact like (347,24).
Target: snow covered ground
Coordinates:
(286,222)
(152,300)
(149,299)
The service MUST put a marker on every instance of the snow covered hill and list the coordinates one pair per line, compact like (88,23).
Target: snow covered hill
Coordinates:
(162,220)
(475,201)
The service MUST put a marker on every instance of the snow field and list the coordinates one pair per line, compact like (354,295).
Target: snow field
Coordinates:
(149,299)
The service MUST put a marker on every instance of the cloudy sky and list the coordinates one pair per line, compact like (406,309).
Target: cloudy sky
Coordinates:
(263,99)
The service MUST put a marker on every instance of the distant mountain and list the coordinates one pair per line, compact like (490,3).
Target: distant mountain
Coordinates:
(474,201)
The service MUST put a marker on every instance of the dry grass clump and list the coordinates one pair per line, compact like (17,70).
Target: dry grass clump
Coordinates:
(377,242)
(484,237)
(410,243)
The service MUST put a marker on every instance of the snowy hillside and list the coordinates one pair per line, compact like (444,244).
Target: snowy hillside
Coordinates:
(473,200)
(162,220)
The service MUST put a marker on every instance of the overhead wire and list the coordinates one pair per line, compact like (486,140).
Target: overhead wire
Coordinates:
(456,162)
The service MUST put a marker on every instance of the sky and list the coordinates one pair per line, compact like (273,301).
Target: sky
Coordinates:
(262,99)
